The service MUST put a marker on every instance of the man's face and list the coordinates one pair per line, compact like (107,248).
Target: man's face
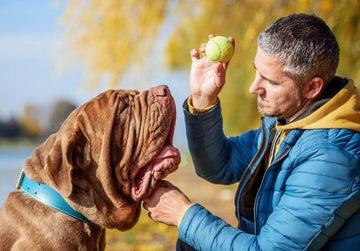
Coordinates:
(278,95)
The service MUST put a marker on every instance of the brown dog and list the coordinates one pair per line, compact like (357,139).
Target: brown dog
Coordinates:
(107,156)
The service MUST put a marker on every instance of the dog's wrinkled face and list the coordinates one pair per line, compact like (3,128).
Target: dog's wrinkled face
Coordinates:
(109,154)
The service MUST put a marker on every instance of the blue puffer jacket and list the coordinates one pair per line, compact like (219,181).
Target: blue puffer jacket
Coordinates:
(302,200)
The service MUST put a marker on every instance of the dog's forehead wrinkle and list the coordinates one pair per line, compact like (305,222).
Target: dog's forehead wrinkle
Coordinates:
(155,128)
(138,128)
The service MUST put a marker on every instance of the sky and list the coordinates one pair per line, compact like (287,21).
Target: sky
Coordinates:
(30,49)
(30,38)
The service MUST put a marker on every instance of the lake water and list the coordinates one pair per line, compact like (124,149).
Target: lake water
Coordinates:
(11,162)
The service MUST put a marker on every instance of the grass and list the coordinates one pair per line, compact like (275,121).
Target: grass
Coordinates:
(148,235)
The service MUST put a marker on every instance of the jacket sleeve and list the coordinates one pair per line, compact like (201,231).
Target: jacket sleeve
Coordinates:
(204,231)
(316,189)
(217,158)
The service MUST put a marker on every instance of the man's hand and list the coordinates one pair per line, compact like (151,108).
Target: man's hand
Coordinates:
(206,77)
(167,204)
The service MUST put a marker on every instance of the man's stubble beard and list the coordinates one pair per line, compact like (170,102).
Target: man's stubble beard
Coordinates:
(300,101)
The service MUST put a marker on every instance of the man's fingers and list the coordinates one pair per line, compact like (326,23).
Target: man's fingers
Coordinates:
(166,184)
(203,49)
(194,55)
(210,36)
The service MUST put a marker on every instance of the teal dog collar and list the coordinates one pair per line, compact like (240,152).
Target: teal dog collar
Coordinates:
(48,196)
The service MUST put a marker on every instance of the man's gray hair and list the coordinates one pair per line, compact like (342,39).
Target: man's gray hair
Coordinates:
(305,44)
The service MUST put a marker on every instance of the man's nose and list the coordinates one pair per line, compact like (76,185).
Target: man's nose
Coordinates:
(255,87)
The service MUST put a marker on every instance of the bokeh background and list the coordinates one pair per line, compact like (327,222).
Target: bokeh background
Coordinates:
(55,55)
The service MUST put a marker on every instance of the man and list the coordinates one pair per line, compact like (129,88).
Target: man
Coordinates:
(299,174)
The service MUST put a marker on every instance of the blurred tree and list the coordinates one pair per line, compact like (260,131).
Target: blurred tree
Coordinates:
(10,128)
(116,35)
(60,112)
(28,122)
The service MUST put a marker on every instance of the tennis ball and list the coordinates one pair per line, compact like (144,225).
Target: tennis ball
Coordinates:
(219,49)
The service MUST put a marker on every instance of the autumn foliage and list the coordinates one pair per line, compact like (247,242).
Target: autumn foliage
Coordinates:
(113,36)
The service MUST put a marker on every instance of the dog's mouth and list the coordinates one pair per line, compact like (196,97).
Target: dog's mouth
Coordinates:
(144,179)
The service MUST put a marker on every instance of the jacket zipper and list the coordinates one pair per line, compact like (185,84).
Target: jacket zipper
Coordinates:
(273,145)
(271,157)
(245,177)
(282,156)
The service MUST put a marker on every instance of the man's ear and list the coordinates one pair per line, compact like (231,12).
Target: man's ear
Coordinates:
(313,88)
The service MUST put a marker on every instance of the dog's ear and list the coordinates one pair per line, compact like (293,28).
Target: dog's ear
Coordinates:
(47,165)
(58,170)
(56,160)
(78,150)
(76,156)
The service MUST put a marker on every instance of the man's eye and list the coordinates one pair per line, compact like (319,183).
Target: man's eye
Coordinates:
(273,83)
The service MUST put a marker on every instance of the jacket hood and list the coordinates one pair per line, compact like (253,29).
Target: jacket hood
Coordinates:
(342,110)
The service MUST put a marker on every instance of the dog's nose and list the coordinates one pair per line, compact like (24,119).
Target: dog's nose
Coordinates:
(161,90)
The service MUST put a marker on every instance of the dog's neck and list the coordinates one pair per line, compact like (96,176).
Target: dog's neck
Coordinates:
(48,196)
